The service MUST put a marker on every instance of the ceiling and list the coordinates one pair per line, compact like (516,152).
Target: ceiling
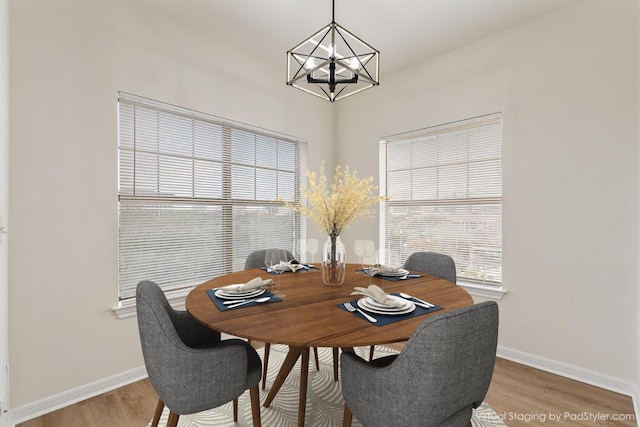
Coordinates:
(406,32)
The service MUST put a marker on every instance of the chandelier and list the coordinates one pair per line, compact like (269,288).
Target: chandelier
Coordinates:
(333,63)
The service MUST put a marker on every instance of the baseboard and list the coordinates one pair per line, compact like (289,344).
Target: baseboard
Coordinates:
(586,376)
(53,403)
(61,400)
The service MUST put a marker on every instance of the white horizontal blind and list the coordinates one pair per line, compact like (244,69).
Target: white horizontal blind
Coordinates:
(198,193)
(445,195)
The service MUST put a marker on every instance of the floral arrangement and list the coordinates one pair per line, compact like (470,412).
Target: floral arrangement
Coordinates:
(333,207)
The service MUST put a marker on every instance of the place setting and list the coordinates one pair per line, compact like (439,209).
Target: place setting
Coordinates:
(389,273)
(278,261)
(288,266)
(369,260)
(380,308)
(239,295)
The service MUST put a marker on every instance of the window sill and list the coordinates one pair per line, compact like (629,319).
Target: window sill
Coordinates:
(491,292)
(127,308)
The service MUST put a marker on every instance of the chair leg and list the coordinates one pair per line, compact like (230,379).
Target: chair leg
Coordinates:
(346,418)
(173,419)
(335,363)
(267,348)
(254,393)
(235,410)
(315,358)
(371,349)
(156,416)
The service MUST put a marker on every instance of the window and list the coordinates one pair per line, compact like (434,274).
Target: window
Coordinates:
(197,193)
(444,186)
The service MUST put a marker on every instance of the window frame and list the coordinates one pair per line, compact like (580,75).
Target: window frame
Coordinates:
(247,196)
(489,290)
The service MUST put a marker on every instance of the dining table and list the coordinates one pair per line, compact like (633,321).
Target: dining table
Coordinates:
(306,313)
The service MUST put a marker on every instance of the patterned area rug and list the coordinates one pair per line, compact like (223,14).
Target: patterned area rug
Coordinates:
(324,398)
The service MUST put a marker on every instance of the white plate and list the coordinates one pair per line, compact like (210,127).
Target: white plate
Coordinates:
(370,302)
(366,307)
(221,293)
(400,272)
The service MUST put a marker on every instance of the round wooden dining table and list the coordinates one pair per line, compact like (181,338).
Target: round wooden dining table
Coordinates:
(310,315)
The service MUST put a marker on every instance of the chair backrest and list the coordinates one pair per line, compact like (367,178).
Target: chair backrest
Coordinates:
(443,372)
(440,265)
(174,367)
(156,317)
(256,258)
(158,337)
(448,363)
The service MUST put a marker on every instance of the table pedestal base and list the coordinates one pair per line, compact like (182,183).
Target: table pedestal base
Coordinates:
(289,362)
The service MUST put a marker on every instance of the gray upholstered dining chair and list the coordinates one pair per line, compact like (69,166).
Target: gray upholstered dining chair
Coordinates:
(443,372)
(435,263)
(256,259)
(191,369)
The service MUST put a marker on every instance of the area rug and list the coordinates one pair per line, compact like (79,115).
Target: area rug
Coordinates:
(324,398)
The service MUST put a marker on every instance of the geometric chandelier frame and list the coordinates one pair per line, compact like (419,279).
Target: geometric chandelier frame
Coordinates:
(333,63)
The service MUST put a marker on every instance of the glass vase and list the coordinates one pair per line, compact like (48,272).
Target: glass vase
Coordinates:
(334,258)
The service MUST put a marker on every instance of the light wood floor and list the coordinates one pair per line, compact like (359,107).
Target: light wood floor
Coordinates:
(523,396)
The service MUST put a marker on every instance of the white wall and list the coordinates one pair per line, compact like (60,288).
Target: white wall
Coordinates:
(68,59)
(567,84)
(568,87)
(4,210)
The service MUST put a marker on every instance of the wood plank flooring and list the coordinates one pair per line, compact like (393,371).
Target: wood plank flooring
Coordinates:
(521,395)
(526,396)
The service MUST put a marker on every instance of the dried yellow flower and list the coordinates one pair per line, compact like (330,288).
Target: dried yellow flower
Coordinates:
(332,208)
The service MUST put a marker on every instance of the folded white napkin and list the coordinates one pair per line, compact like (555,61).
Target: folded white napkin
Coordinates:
(284,266)
(378,295)
(254,283)
(295,266)
(383,270)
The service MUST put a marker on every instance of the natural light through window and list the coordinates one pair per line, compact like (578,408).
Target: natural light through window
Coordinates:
(197,193)
(444,186)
